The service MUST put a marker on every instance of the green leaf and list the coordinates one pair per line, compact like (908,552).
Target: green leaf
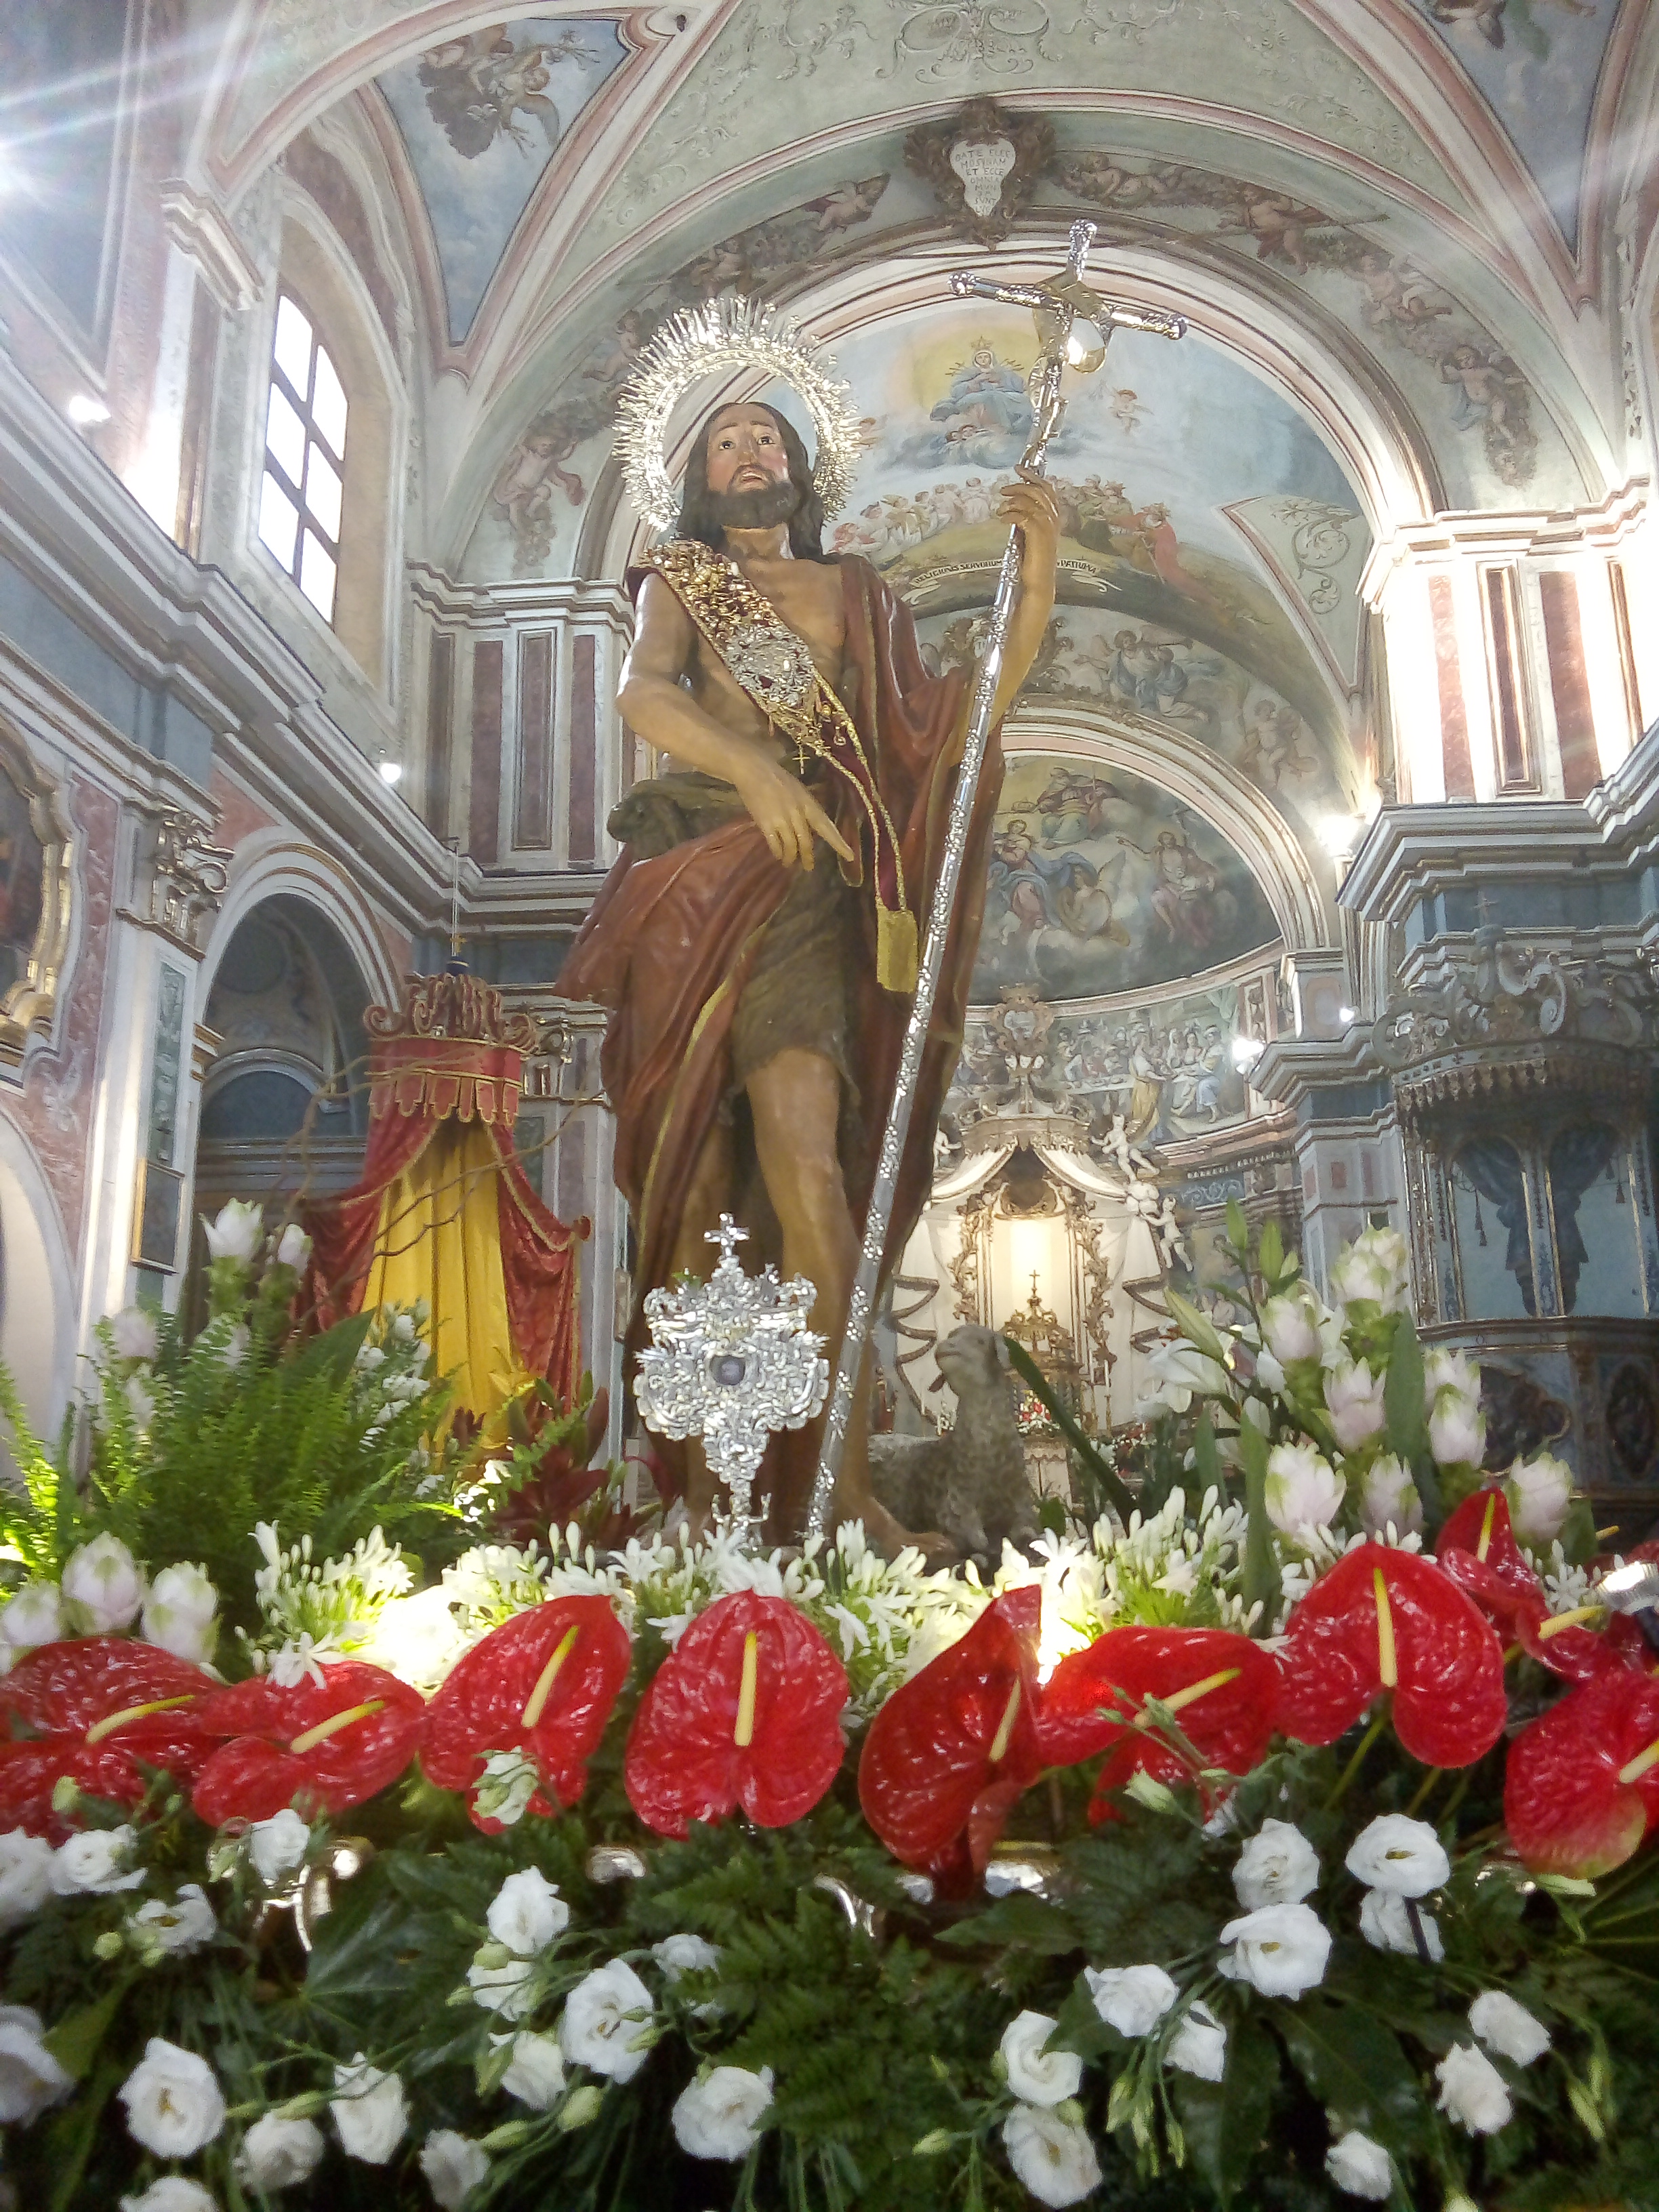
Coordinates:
(1354,2065)
(1225,2121)
(1020,1919)
(74,2041)
(1261,1576)
(1271,1257)
(1111,1483)
(1194,1325)
(1403,1394)
(1238,1228)
(1207,1465)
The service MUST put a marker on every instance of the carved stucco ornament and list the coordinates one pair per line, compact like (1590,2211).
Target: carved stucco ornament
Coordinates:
(981,166)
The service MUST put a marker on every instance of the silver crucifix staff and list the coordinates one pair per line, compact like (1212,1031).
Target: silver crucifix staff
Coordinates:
(1057,307)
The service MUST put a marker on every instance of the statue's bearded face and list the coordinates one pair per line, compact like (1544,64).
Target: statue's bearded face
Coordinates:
(749,469)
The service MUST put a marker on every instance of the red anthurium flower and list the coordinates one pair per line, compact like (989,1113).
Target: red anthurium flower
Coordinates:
(1223,1688)
(948,1755)
(1383,1619)
(1477,1549)
(1581,1789)
(542,1685)
(93,1709)
(745,1712)
(322,1746)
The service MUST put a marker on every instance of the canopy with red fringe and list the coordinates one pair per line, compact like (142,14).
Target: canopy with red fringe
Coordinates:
(444,1212)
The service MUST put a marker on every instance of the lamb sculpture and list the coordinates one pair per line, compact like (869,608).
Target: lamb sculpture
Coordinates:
(971,1484)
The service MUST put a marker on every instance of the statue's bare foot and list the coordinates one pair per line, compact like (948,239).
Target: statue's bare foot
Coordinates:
(889,1536)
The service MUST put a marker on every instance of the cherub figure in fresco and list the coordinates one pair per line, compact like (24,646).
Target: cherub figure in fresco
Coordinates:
(1486,16)
(849,204)
(622,349)
(526,486)
(1397,293)
(1481,391)
(1279,225)
(1270,751)
(1126,409)
(477,87)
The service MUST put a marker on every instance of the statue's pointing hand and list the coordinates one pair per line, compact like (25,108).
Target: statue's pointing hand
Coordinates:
(788,816)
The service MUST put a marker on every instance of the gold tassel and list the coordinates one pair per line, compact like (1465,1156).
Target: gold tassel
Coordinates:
(897,957)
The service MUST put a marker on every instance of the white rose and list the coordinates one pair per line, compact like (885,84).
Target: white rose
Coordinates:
(1457,1430)
(1539,1491)
(1131,1999)
(173,2103)
(276,2153)
(1399,1854)
(1054,2160)
(1388,1496)
(1508,2028)
(1281,1950)
(1199,2044)
(1290,1326)
(369,2110)
(1303,1490)
(235,1231)
(183,1926)
(133,1333)
(30,2079)
(536,2075)
(278,1846)
(1277,1865)
(293,1247)
(95,1863)
(103,1589)
(25,1876)
(685,1954)
(605,2024)
(1360,2166)
(173,2192)
(1473,2091)
(1354,1397)
(1387,1925)
(527,1912)
(35,1616)
(718,2115)
(1450,1370)
(453,2166)
(179,1612)
(502,1983)
(1037,2077)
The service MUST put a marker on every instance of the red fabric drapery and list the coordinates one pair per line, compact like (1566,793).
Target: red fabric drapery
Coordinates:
(452,1053)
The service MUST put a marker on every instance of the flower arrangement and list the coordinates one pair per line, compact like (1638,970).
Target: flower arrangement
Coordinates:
(1283,1842)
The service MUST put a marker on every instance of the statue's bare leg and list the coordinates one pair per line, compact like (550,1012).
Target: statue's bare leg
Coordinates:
(708,1196)
(795,1099)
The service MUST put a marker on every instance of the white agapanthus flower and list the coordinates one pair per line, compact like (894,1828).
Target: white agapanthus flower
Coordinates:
(1539,1491)
(1360,2166)
(173,2192)
(1054,2158)
(278,1846)
(1505,2026)
(1398,1854)
(502,1983)
(1385,1924)
(1354,1397)
(1199,2045)
(369,2110)
(1473,2092)
(1303,1490)
(1281,1950)
(173,2101)
(536,2074)
(685,1954)
(25,1876)
(1131,1999)
(606,2025)
(133,1333)
(235,1231)
(1277,1865)
(96,1863)
(1037,2076)
(103,1588)
(180,1609)
(719,2114)
(1388,1498)
(175,1930)
(1457,1430)
(279,2153)
(454,2166)
(30,2079)
(527,1912)
(35,1616)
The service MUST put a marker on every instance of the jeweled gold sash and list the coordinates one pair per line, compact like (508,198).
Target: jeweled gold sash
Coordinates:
(773,666)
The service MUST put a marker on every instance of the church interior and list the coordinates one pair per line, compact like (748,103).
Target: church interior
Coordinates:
(1321,896)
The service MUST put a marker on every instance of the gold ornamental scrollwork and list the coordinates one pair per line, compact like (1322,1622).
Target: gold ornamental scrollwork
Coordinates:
(37,895)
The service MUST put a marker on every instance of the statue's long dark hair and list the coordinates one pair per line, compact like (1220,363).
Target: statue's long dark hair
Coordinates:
(699,516)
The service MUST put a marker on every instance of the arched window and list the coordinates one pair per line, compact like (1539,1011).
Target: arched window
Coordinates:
(301,495)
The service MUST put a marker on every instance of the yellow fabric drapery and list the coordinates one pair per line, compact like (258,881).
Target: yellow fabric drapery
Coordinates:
(439,1240)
